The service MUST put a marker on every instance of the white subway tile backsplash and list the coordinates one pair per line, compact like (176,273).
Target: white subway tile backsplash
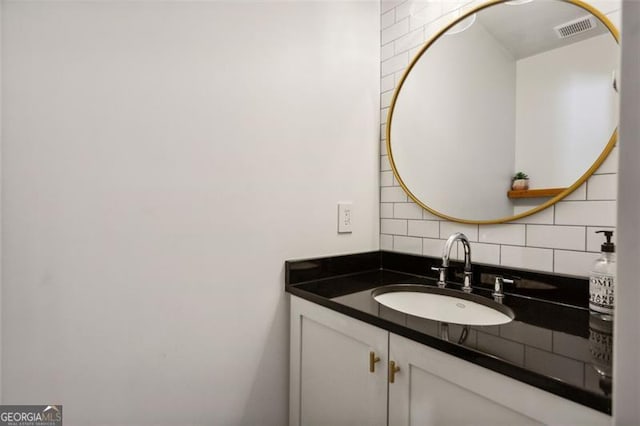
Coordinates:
(407,244)
(485,253)
(524,205)
(602,187)
(543,217)
(420,9)
(424,16)
(430,216)
(405,9)
(395,31)
(407,211)
(448,228)
(432,247)
(435,26)
(387,19)
(384,112)
(386,242)
(386,178)
(385,99)
(586,213)
(383,148)
(424,228)
(387,51)
(384,163)
(594,241)
(527,258)
(413,39)
(610,165)
(413,52)
(449,6)
(606,6)
(457,251)
(395,63)
(560,237)
(392,194)
(386,210)
(387,5)
(580,194)
(573,262)
(393,226)
(398,75)
(387,83)
(473,4)
(503,234)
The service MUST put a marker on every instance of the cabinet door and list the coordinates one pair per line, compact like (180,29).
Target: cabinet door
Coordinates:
(331,382)
(433,388)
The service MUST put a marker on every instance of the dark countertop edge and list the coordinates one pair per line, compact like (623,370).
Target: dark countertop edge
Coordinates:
(331,266)
(333,277)
(497,365)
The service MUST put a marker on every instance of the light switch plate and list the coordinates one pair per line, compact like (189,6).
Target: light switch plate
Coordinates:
(345,217)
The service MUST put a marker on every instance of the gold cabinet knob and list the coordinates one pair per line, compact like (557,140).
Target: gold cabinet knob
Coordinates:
(372,361)
(393,369)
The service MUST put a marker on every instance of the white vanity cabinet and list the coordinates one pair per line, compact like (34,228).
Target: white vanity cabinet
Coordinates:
(434,388)
(330,379)
(331,383)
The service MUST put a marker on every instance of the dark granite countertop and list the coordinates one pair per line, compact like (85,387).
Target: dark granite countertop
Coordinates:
(554,345)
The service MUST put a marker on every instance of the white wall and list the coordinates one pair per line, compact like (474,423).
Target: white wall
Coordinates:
(427,112)
(560,239)
(626,380)
(1,316)
(161,161)
(562,118)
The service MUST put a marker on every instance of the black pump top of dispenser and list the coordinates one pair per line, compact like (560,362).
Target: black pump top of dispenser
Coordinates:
(607,247)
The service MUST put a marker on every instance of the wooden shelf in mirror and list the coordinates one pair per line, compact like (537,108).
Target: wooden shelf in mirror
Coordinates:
(535,193)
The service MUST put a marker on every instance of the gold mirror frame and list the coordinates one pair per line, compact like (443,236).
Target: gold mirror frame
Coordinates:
(603,155)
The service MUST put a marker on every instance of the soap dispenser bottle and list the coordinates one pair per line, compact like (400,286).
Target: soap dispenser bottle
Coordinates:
(602,280)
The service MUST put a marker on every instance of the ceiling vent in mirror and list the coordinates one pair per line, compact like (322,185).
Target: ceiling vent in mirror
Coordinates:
(577,26)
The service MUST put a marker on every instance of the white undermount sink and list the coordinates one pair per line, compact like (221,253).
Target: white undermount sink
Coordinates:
(443,304)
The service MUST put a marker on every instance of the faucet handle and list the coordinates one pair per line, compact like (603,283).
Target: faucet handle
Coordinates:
(442,274)
(466,286)
(498,287)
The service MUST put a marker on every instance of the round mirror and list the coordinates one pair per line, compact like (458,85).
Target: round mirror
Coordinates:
(511,86)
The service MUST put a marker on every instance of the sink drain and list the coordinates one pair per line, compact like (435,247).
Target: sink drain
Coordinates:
(461,305)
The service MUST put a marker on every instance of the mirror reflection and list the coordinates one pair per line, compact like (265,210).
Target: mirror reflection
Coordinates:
(527,87)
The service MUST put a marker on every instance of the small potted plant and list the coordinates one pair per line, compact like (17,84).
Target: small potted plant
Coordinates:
(520,181)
